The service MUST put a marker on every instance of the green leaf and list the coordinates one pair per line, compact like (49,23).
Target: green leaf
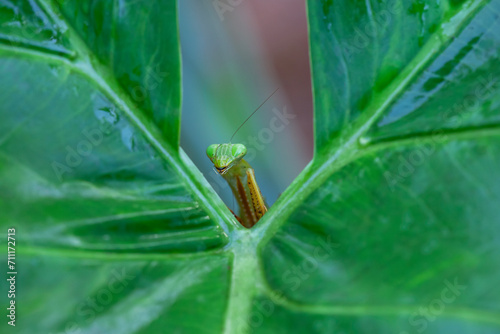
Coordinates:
(110,215)
(399,230)
(392,228)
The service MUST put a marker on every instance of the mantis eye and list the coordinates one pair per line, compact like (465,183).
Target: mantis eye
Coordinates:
(238,150)
(212,150)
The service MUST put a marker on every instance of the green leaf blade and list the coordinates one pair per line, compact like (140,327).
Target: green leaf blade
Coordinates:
(458,89)
(384,221)
(138,42)
(122,293)
(94,182)
(391,213)
(26,24)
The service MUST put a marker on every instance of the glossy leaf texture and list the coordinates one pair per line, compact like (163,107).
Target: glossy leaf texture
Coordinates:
(392,228)
(113,223)
(399,231)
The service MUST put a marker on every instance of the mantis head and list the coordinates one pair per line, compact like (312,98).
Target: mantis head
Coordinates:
(224,156)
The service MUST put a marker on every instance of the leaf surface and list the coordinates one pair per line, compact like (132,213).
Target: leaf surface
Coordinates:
(392,227)
(399,230)
(115,228)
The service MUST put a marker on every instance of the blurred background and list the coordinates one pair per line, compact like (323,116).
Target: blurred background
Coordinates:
(235,53)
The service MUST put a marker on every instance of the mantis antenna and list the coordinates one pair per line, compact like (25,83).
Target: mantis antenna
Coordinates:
(229,163)
(238,129)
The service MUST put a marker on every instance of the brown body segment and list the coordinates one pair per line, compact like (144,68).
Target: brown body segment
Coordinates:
(241,179)
(248,216)
(257,199)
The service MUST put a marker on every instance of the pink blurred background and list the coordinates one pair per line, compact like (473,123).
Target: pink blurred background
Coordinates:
(235,54)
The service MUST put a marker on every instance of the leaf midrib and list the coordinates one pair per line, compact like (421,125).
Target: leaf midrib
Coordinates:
(85,63)
(308,181)
(347,148)
(341,151)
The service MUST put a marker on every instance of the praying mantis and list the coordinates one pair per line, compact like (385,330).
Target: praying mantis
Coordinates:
(240,176)
(228,162)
